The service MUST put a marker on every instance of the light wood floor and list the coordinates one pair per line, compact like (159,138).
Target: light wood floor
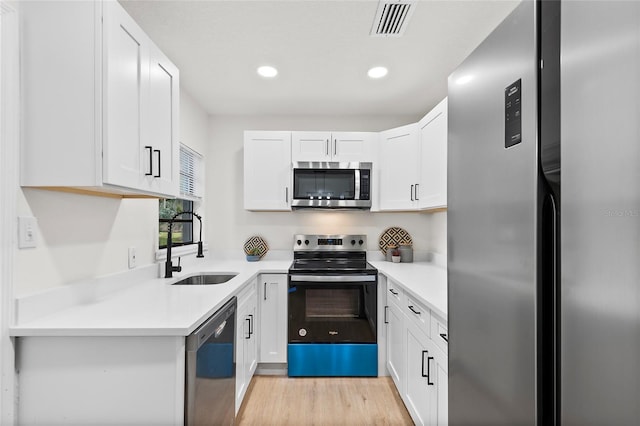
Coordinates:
(278,400)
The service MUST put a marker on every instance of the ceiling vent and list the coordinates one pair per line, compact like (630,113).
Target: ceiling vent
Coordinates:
(392,18)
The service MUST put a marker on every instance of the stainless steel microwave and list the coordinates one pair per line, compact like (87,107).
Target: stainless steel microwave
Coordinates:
(331,185)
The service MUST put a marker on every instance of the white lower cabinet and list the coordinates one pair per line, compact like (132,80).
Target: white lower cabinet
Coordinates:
(440,396)
(416,363)
(272,290)
(395,346)
(246,340)
(417,394)
(115,380)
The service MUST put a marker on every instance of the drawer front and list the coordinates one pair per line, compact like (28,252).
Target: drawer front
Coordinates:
(418,314)
(248,291)
(395,295)
(439,333)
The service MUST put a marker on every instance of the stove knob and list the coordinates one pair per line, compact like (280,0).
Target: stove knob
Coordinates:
(360,242)
(299,242)
(306,242)
(353,242)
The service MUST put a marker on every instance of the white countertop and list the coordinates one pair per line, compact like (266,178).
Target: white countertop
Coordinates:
(422,280)
(154,307)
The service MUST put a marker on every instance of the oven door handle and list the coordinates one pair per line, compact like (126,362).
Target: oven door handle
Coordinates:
(333,278)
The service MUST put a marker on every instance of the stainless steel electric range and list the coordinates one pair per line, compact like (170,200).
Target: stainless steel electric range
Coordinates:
(332,307)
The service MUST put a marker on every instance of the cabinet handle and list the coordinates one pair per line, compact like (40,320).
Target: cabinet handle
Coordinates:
(265,291)
(250,325)
(429,382)
(150,148)
(249,336)
(412,193)
(386,320)
(392,291)
(286,194)
(444,337)
(413,310)
(335,147)
(327,147)
(422,370)
(416,192)
(159,158)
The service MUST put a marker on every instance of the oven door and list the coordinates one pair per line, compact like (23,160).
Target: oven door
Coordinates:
(332,308)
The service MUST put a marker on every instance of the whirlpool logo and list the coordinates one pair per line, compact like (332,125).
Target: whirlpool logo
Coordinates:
(333,333)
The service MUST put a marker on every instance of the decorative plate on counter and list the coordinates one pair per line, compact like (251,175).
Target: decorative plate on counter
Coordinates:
(394,235)
(257,243)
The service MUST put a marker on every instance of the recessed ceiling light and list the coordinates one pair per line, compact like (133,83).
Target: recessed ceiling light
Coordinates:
(267,71)
(377,72)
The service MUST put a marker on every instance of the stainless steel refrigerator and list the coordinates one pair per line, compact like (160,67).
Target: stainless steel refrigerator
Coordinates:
(544,219)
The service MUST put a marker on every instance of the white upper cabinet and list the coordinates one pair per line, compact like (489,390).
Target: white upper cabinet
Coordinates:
(333,146)
(432,191)
(412,166)
(398,168)
(267,170)
(162,146)
(100,102)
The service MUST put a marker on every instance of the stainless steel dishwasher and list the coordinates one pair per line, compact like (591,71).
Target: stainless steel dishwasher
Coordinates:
(210,386)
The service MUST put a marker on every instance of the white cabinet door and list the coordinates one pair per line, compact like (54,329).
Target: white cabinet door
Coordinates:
(311,146)
(273,317)
(333,146)
(126,76)
(246,341)
(418,387)
(267,170)
(398,168)
(432,191)
(251,352)
(161,148)
(396,346)
(352,146)
(440,398)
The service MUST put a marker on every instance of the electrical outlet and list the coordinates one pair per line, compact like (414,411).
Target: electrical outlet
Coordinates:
(27,232)
(132,257)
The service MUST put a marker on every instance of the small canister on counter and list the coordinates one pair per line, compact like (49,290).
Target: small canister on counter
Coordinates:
(390,249)
(406,253)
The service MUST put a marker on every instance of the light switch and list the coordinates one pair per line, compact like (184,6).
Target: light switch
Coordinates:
(27,232)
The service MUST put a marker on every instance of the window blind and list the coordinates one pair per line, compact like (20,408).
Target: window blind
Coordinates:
(191,174)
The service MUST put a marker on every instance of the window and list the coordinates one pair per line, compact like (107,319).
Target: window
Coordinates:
(191,190)
(191,174)
(182,226)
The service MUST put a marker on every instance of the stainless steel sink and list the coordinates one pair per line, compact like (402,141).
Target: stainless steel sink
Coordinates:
(205,279)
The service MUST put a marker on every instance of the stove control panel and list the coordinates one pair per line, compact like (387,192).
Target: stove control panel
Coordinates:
(330,243)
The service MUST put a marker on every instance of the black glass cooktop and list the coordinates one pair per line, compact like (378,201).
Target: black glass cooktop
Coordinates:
(331,266)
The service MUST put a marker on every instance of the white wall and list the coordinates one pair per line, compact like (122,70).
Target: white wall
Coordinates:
(82,237)
(233,225)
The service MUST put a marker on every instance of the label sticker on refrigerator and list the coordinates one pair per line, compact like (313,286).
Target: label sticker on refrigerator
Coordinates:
(512,114)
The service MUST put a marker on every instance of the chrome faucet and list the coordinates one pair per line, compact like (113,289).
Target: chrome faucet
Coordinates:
(169,269)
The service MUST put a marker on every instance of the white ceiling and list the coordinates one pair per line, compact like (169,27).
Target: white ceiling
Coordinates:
(322,50)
